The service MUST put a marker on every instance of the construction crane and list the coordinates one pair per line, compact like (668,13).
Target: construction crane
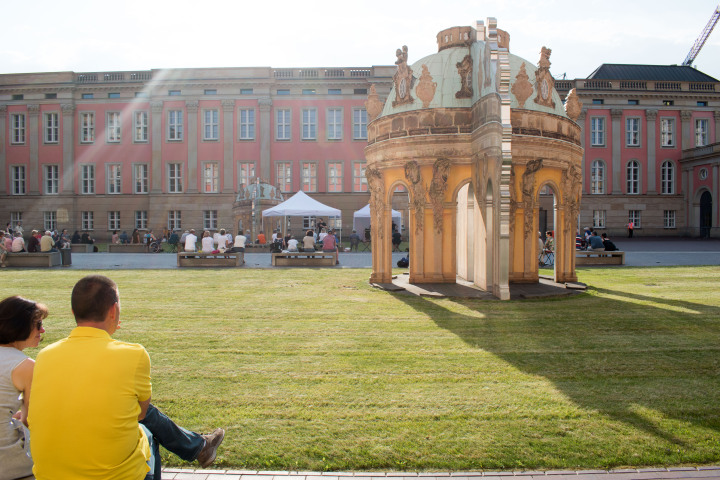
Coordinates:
(695,50)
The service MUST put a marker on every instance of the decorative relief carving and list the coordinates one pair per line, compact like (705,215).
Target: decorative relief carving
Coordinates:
(528,190)
(572,185)
(544,81)
(376,185)
(651,115)
(426,87)
(465,70)
(522,88)
(513,200)
(616,113)
(438,185)
(67,108)
(33,109)
(412,173)
(403,78)
(264,103)
(228,105)
(3,109)
(156,107)
(573,105)
(685,115)
(192,106)
(373,105)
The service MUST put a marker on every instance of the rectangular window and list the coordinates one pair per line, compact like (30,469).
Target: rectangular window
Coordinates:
(140,180)
(633,102)
(52,127)
(15,218)
(334,176)
(141,219)
(87,179)
(246,91)
(308,222)
(211,125)
(632,132)
(359,179)
(50,220)
(114,220)
(360,91)
(667,178)
(141,95)
(634,217)
(308,91)
(668,103)
(113,127)
(702,103)
(283,91)
(597,177)
(597,131)
(87,96)
(210,177)
(52,179)
(87,127)
(598,218)
(141,126)
(309,177)
(51,96)
(174,93)
(114,179)
(246,172)
(633,178)
(668,218)
(210,91)
(359,124)
(87,222)
(114,95)
(175,181)
(247,124)
(174,220)
(598,101)
(334,123)
(334,91)
(701,132)
(18,179)
(282,124)
(309,124)
(210,219)
(175,125)
(334,223)
(17,128)
(667,132)
(284,176)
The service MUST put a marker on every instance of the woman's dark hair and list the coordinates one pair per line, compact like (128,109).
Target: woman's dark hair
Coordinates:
(18,315)
(309,233)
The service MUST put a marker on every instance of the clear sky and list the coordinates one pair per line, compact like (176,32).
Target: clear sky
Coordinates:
(98,35)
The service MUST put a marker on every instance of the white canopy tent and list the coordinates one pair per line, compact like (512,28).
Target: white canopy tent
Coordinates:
(301,205)
(361,219)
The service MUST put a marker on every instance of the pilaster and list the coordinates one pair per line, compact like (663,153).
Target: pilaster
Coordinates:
(583,132)
(157,143)
(651,116)
(716,207)
(688,133)
(3,154)
(191,107)
(68,149)
(229,184)
(617,138)
(265,105)
(716,116)
(33,143)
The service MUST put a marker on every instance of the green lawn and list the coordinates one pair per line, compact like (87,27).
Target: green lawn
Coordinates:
(316,370)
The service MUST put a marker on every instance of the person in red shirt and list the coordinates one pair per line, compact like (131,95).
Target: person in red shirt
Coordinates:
(261,238)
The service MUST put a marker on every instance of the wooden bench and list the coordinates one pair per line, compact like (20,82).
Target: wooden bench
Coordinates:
(202,259)
(81,248)
(128,248)
(35,259)
(594,257)
(304,259)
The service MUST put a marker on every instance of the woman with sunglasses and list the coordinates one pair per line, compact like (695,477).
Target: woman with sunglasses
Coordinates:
(20,328)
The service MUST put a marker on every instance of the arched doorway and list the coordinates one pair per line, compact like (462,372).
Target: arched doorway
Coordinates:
(547,227)
(400,202)
(465,233)
(705,214)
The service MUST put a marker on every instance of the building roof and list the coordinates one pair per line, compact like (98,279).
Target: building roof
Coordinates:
(662,73)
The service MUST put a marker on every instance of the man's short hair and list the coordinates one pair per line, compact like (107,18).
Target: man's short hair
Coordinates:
(92,297)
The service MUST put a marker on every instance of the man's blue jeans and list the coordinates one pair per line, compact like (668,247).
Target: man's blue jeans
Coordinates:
(160,430)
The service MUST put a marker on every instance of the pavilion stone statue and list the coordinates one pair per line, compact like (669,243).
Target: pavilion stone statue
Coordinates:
(473,153)
(249,203)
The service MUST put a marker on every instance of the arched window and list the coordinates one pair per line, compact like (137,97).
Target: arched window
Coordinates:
(667,178)
(597,177)
(633,177)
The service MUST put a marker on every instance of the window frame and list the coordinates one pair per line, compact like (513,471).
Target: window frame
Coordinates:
(597,177)
(141,128)
(359,179)
(50,220)
(18,179)
(174,219)
(334,182)
(87,182)
(246,171)
(284,181)
(113,127)
(667,178)
(635,216)
(113,176)
(633,128)
(702,138)
(360,124)
(51,179)
(599,218)
(667,132)
(211,126)
(286,126)
(308,184)
(334,124)
(246,124)
(113,217)
(632,177)
(213,179)
(51,128)
(18,128)
(175,177)
(210,219)
(141,219)
(87,127)
(308,126)
(141,177)
(87,220)
(597,131)
(175,125)
(669,219)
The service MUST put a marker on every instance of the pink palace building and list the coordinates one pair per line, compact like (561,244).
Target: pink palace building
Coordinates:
(105,151)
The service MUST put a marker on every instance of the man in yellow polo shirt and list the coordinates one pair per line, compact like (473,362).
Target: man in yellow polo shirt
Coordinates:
(89,392)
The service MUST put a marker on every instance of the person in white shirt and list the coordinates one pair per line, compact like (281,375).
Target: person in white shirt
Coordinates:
(292,245)
(239,245)
(191,242)
(18,243)
(208,245)
(215,237)
(222,240)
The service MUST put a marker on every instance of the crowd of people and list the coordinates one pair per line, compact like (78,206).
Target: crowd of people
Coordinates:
(90,415)
(590,240)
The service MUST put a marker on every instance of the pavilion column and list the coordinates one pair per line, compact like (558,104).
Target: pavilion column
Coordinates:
(265,105)
(68,149)
(157,142)
(192,137)
(33,142)
(3,158)
(651,115)
(228,108)
(617,138)
(583,130)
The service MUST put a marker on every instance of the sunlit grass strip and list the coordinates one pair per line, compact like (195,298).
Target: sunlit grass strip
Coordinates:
(312,369)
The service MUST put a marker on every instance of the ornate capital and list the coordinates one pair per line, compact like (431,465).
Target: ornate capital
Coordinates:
(67,108)
(228,105)
(33,109)
(265,103)
(651,114)
(3,109)
(686,115)
(716,114)
(192,106)
(616,113)
(157,107)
